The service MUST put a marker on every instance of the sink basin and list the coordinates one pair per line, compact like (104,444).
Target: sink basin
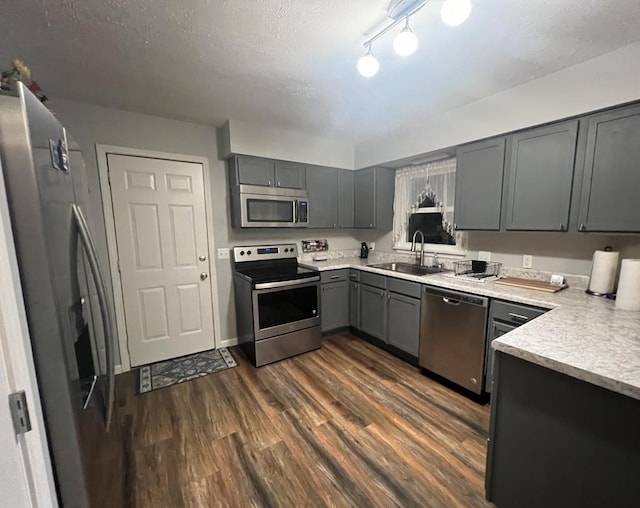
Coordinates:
(408,268)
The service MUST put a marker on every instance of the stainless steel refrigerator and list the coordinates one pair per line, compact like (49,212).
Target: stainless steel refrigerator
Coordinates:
(68,311)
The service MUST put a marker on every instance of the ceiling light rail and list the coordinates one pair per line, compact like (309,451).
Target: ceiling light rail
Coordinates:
(453,13)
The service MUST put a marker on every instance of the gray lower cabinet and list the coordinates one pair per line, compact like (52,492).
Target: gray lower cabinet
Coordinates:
(346,180)
(354,304)
(334,305)
(479,181)
(403,323)
(373,311)
(373,198)
(609,200)
(290,175)
(322,184)
(541,172)
(254,170)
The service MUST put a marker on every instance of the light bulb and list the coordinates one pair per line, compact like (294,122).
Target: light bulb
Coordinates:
(405,42)
(368,65)
(455,12)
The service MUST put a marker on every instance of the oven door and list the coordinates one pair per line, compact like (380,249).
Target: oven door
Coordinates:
(286,306)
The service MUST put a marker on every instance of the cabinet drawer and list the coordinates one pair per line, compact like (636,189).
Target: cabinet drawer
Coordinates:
(404,287)
(373,279)
(354,275)
(514,313)
(333,275)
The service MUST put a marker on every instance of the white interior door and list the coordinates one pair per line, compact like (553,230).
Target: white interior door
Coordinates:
(161,232)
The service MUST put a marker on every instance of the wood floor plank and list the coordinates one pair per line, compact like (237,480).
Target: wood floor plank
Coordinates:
(345,425)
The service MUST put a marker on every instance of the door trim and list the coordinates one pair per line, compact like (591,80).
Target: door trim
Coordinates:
(102,151)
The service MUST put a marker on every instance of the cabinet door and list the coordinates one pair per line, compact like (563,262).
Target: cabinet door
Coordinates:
(611,186)
(354,304)
(290,175)
(365,199)
(403,323)
(345,199)
(496,329)
(322,186)
(255,170)
(334,310)
(373,311)
(541,178)
(479,175)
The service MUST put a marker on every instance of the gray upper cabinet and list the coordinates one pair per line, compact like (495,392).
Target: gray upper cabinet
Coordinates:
(322,186)
(290,175)
(373,197)
(373,311)
(354,304)
(479,179)
(611,187)
(345,198)
(334,310)
(541,173)
(255,170)
(403,323)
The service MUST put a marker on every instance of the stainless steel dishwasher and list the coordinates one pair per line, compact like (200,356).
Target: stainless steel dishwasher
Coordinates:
(452,336)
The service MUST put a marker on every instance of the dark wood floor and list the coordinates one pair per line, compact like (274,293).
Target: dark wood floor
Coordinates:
(347,425)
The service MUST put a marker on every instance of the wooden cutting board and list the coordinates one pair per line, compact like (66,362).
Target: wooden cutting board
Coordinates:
(536,285)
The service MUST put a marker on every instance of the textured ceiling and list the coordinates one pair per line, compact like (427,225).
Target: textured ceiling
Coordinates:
(291,63)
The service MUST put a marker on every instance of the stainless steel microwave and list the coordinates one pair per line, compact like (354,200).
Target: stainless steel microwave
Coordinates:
(273,207)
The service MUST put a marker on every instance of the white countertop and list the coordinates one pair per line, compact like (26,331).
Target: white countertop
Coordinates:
(582,336)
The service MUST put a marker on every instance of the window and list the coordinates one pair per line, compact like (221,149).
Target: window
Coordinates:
(424,201)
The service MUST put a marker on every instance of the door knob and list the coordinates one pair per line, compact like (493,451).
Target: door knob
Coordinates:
(204,275)
(202,257)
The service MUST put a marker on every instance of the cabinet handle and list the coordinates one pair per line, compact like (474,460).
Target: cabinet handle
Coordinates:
(561,227)
(455,226)
(389,297)
(334,277)
(278,184)
(582,227)
(381,295)
(519,317)
(269,183)
(334,226)
(370,225)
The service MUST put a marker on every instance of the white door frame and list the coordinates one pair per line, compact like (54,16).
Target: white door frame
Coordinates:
(103,172)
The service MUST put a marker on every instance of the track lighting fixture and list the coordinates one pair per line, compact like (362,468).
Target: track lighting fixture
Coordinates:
(453,13)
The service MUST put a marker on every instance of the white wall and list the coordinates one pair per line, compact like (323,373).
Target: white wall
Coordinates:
(267,141)
(610,79)
(91,125)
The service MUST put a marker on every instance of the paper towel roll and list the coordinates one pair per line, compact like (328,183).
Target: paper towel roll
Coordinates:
(628,297)
(603,272)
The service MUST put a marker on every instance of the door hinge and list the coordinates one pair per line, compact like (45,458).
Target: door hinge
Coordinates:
(20,412)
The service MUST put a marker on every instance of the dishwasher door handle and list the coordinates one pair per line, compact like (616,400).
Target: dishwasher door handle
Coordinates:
(450,301)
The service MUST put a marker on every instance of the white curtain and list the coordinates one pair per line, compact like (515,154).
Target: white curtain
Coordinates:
(434,182)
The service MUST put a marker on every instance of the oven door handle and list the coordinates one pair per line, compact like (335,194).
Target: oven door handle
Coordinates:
(286,283)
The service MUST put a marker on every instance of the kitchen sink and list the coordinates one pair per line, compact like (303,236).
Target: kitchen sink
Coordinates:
(408,268)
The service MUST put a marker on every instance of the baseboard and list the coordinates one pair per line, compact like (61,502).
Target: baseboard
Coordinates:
(233,341)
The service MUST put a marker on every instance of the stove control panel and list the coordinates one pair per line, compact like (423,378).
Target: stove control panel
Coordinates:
(264,252)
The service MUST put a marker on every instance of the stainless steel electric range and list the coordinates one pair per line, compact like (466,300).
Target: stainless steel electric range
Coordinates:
(277,303)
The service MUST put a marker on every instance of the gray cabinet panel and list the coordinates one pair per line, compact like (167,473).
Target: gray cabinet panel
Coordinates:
(334,310)
(290,175)
(374,279)
(373,307)
(403,323)
(404,287)
(496,329)
(322,185)
(541,173)
(612,173)
(354,304)
(479,178)
(345,199)
(255,170)
(365,199)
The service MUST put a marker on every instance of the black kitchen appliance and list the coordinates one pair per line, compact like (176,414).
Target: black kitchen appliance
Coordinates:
(364,250)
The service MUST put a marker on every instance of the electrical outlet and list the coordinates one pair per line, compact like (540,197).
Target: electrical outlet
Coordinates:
(223,253)
(527,261)
(372,246)
(484,255)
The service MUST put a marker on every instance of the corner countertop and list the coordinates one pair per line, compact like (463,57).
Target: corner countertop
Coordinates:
(581,336)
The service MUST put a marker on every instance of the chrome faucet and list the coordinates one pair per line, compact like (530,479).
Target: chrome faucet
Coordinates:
(413,245)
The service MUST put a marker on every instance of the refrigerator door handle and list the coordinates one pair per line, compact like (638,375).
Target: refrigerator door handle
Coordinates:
(105,311)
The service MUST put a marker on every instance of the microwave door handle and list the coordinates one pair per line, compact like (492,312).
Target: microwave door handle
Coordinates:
(296,204)
(105,310)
